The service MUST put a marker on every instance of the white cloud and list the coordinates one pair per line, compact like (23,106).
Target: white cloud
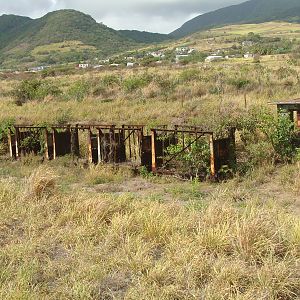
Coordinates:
(150,15)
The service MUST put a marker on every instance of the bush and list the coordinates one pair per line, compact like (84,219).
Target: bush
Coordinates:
(110,80)
(195,161)
(79,90)
(134,83)
(239,83)
(34,89)
(189,75)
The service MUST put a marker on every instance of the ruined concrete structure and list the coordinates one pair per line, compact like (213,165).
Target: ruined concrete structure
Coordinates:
(292,107)
(124,144)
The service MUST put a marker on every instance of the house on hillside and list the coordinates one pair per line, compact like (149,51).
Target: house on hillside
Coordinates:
(249,55)
(247,43)
(212,58)
(182,50)
(83,66)
(130,64)
(98,66)
(180,57)
(36,69)
(156,54)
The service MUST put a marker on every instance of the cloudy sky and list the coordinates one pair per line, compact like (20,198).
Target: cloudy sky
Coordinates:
(151,15)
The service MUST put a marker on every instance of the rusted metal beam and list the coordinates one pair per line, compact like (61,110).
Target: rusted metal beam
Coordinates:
(298,118)
(212,156)
(90,150)
(183,131)
(153,148)
(17,135)
(10,143)
(46,144)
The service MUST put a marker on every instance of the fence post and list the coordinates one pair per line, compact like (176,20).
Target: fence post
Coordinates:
(232,149)
(54,142)
(46,144)
(212,156)
(75,142)
(17,134)
(10,145)
(153,148)
(90,151)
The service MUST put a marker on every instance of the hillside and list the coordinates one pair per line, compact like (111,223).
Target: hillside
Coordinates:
(11,26)
(145,37)
(20,36)
(253,11)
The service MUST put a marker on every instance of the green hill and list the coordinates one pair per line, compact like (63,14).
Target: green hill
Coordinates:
(253,11)
(19,36)
(145,37)
(11,26)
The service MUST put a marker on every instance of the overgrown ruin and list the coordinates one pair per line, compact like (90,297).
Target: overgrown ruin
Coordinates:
(157,149)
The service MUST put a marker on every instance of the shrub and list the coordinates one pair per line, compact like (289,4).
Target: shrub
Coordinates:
(134,83)
(189,75)
(79,90)
(239,83)
(280,132)
(110,80)
(195,161)
(34,89)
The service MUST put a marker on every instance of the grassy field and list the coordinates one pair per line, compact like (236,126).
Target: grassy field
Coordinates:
(70,230)
(67,236)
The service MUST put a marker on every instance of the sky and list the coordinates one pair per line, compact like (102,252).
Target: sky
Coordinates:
(150,15)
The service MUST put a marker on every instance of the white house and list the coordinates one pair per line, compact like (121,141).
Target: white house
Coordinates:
(182,50)
(179,57)
(156,54)
(212,58)
(98,66)
(248,55)
(83,66)
(130,65)
(247,43)
(36,69)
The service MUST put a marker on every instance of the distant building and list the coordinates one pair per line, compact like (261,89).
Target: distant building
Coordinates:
(181,56)
(130,65)
(229,56)
(98,66)
(182,50)
(114,65)
(248,55)
(156,54)
(212,58)
(36,69)
(83,66)
(247,43)
(192,50)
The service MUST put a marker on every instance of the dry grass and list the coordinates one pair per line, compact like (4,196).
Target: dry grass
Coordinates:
(84,245)
(193,94)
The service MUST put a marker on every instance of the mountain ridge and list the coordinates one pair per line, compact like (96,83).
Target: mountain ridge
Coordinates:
(252,11)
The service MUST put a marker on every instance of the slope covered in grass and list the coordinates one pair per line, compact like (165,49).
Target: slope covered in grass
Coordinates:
(257,11)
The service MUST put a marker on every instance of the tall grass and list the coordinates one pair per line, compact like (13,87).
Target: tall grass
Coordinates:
(102,246)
